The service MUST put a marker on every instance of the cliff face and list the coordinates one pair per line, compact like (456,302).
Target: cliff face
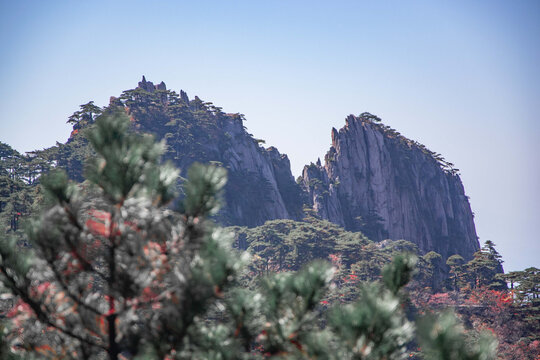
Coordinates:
(377,181)
(260,180)
(260,187)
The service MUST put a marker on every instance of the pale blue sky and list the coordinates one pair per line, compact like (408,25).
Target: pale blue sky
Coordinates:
(462,77)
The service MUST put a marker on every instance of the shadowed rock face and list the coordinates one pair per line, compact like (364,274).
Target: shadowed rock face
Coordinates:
(260,186)
(260,180)
(379,182)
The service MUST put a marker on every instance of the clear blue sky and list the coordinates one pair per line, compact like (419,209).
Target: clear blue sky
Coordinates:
(462,77)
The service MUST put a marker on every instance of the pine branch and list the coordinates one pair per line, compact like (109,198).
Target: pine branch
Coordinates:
(88,265)
(65,287)
(42,315)
(112,349)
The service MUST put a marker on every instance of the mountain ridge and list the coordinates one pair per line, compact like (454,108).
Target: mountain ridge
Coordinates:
(373,179)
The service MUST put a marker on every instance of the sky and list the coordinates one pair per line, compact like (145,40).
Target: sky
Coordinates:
(461,77)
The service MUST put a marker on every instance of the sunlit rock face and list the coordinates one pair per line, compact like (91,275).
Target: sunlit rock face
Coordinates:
(375,180)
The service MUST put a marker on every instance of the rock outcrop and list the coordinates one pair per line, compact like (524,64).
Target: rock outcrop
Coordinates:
(149,86)
(377,181)
(260,187)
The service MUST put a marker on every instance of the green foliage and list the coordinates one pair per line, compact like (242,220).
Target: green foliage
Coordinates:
(442,338)
(128,162)
(484,267)
(369,117)
(457,271)
(19,175)
(200,191)
(482,271)
(433,258)
(289,304)
(527,299)
(371,224)
(434,269)
(85,116)
(57,185)
(18,262)
(287,244)
(375,327)
(399,272)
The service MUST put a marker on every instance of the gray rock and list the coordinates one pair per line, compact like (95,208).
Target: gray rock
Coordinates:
(149,86)
(184,96)
(377,181)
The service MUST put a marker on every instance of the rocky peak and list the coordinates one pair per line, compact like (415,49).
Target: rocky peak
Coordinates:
(388,186)
(149,86)
(183,96)
(260,187)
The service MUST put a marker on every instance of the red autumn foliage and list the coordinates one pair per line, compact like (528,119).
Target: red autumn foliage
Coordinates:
(496,300)
(101,226)
(20,308)
(45,350)
(439,299)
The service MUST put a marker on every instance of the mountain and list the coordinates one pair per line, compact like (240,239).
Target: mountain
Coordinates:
(373,179)
(260,187)
(379,182)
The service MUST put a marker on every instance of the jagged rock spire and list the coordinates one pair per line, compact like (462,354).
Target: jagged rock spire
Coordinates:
(149,86)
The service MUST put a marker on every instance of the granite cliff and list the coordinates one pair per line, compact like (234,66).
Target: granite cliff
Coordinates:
(375,180)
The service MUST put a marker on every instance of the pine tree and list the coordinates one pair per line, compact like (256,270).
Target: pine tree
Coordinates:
(527,294)
(86,115)
(112,269)
(485,266)
(457,273)
(434,269)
